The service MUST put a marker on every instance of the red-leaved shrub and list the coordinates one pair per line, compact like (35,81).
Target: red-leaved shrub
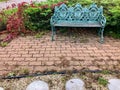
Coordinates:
(15,22)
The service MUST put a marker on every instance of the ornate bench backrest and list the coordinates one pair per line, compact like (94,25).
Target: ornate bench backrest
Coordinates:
(95,13)
(78,13)
(78,16)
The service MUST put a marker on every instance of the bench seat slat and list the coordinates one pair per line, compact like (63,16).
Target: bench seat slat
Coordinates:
(63,24)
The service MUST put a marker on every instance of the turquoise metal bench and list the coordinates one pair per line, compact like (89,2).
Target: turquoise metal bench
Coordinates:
(78,16)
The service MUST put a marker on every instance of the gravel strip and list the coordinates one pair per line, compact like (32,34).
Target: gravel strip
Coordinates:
(57,82)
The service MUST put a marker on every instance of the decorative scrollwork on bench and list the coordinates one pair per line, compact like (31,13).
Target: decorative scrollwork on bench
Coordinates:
(78,16)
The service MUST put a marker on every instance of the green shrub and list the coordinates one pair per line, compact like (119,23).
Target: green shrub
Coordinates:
(37,18)
(3,44)
(102,81)
(3,0)
(2,26)
(111,12)
(4,14)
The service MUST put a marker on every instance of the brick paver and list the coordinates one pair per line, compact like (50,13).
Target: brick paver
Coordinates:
(42,54)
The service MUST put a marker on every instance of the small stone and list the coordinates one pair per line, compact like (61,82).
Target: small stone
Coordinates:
(114,84)
(75,84)
(38,85)
(1,88)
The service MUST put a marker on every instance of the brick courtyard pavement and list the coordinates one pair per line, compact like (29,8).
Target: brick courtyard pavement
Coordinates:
(39,54)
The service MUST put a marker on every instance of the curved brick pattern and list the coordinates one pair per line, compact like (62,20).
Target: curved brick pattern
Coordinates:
(43,54)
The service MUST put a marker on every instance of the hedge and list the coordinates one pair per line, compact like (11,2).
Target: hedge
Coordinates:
(37,16)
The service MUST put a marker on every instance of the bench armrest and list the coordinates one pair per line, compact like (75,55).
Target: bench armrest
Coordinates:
(102,20)
(53,20)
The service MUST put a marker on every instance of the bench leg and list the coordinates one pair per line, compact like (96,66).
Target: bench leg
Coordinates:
(53,32)
(102,37)
(99,32)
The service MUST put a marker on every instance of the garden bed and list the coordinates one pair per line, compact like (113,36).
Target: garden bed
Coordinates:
(93,81)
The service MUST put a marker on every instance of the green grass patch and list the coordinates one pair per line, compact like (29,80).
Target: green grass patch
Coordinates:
(3,44)
(40,34)
(102,81)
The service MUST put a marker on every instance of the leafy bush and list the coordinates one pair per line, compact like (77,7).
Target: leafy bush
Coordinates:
(102,81)
(111,11)
(38,14)
(15,23)
(2,26)
(4,14)
(37,18)
(3,0)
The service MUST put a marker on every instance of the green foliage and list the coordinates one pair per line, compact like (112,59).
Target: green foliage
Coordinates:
(49,2)
(3,0)
(40,34)
(102,81)
(2,26)
(11,74)
(111,12)
(4,14)
(37,18)
(105,72)
(114,34)
(3,44)
(82,2)
(23,71)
